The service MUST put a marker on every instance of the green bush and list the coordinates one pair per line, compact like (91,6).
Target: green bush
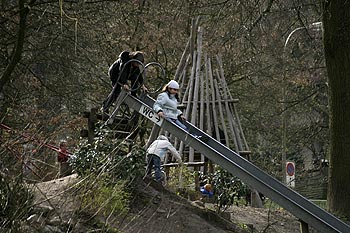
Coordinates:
(109,173)
(228,189)
(101,197)
(110,157)
(181,180)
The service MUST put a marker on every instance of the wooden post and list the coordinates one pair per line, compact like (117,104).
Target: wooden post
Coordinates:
(239,128)
(209,165)
(227,108)
(213,105)
(188,107)
(182,78)
(194,94)
(185,87)
(221,112)
(196,178)
(304,227)
(182,62)
(153,136)
(202,115)
(92,119)
(214,122)
(241,137)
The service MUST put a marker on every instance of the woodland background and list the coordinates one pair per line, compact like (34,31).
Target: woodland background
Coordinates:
(55,56)
(69,45)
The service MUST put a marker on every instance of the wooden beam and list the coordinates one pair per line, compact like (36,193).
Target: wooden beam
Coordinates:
(245,152)
(217,102)
(189,164)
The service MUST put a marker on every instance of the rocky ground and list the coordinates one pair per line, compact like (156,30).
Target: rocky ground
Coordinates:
(56,210)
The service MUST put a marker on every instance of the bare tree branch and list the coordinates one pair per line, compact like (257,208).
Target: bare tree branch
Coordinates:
(17,52)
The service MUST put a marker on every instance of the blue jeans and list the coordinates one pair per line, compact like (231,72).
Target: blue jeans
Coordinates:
(154,161)
(179,123)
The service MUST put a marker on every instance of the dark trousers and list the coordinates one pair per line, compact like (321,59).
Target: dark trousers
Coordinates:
(153,161)
(111,98)
(64,169)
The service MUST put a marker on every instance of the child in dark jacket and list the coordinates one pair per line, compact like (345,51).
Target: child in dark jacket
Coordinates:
(120,74)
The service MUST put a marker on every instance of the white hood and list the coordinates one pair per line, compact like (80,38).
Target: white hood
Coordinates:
(162,137)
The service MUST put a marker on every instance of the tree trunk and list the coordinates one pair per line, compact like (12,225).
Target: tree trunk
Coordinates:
(17,51)
(336,22)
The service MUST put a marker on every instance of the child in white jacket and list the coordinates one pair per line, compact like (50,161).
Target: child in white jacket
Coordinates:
(166,106)
(156,154)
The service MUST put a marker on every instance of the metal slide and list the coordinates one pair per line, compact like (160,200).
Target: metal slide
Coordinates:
(242,168)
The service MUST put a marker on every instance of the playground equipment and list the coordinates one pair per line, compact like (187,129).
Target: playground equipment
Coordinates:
(292,201)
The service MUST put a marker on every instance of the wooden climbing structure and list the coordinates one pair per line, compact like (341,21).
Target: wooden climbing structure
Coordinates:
(206,99)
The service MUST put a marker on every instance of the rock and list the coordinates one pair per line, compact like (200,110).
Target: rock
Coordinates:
(42,210)
(199,203)
(50,229)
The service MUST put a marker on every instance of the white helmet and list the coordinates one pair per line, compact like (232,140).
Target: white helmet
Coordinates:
(173,84)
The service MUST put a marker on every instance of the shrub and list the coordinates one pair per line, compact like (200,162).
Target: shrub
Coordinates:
(102,197)
(228,189)
(185,176)
(110,173)
(15,202)
(110,157)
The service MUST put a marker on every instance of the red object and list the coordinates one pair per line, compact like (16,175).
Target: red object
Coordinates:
(290,169)
(63,156)
(52,147)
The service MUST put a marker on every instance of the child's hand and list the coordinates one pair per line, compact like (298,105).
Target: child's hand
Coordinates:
(161,114)
(183,117)
(126,87)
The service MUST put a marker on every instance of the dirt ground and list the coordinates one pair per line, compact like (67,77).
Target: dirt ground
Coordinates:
(163,211)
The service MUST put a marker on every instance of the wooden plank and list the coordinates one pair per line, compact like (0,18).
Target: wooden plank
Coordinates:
(235,113)
(208,113)
(202,112)
(183,59)
(217,102)
(229,115)
(237,127)
(196,77)
(188,164)
(188,106)
(182,80)
(221,113)
(215,119)
(245,152)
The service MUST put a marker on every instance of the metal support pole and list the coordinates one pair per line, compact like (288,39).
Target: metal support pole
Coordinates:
(316,26)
